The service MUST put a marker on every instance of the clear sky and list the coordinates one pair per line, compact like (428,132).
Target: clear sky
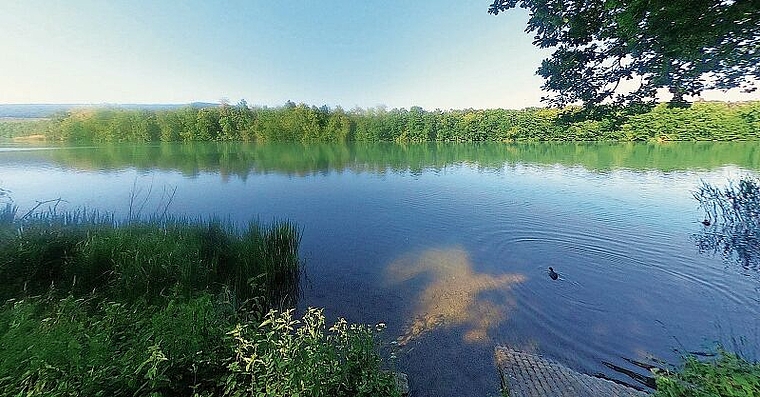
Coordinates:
(399,53)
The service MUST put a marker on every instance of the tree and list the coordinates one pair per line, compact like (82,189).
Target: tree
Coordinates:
(623,51)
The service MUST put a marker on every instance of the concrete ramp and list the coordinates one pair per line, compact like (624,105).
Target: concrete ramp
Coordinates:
(529,375)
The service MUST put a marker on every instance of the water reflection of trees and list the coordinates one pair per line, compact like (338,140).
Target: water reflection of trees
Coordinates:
(244,159)
(453,295)
(732,223)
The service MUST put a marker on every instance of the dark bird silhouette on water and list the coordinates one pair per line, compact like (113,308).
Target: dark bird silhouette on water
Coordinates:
(554,275)
(706,222)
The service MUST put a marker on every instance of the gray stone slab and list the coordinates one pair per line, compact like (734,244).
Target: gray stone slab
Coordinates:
(529,375)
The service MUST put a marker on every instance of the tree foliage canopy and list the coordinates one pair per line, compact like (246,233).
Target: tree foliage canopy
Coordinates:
(302,123)
(625,50)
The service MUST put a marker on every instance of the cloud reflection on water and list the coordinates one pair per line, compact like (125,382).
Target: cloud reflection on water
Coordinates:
(453,294)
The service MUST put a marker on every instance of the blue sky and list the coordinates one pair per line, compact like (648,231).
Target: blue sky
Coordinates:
(442,54)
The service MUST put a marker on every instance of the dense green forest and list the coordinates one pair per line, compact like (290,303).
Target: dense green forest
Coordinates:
(716,121)
(10,128)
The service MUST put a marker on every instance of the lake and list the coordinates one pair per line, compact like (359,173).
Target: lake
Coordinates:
(449,244)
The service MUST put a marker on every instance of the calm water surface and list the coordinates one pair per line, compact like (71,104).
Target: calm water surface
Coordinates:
(449,244)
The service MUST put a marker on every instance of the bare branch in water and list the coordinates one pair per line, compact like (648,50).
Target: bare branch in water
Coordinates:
(169,197)
(41,203)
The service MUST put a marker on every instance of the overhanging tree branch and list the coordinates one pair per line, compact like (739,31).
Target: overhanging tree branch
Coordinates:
(684,46)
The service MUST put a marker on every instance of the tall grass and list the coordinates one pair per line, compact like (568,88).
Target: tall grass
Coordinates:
(89,347)
(84,251)
(188,347)
(8,213)
(167,307)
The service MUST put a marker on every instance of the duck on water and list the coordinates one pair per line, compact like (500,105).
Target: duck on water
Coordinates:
(554,275)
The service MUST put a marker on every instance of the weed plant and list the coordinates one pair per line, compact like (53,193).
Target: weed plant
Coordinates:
(286,356)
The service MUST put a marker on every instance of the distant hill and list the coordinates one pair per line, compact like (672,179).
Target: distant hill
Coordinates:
(48,109)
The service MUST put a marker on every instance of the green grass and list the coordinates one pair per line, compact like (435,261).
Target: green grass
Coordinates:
(728,375)
(69,346)
(196,346)
(85,252)
(169,307)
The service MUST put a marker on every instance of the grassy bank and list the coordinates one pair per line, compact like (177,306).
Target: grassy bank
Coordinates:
(88,253)
(714,121)
(167,307)
(726,375)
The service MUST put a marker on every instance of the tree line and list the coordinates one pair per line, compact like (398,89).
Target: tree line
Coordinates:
(10,128)
(717,121)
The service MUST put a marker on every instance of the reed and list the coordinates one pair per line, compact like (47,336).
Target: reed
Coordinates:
(8,213)
(84,251)
(732,221)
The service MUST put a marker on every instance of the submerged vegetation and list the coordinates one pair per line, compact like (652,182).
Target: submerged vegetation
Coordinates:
(715,121)
(167,307)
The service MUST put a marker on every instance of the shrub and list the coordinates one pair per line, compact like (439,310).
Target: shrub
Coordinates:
(69,347)
(285,356)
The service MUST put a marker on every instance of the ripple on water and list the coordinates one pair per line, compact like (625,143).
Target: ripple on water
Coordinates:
(619,284)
